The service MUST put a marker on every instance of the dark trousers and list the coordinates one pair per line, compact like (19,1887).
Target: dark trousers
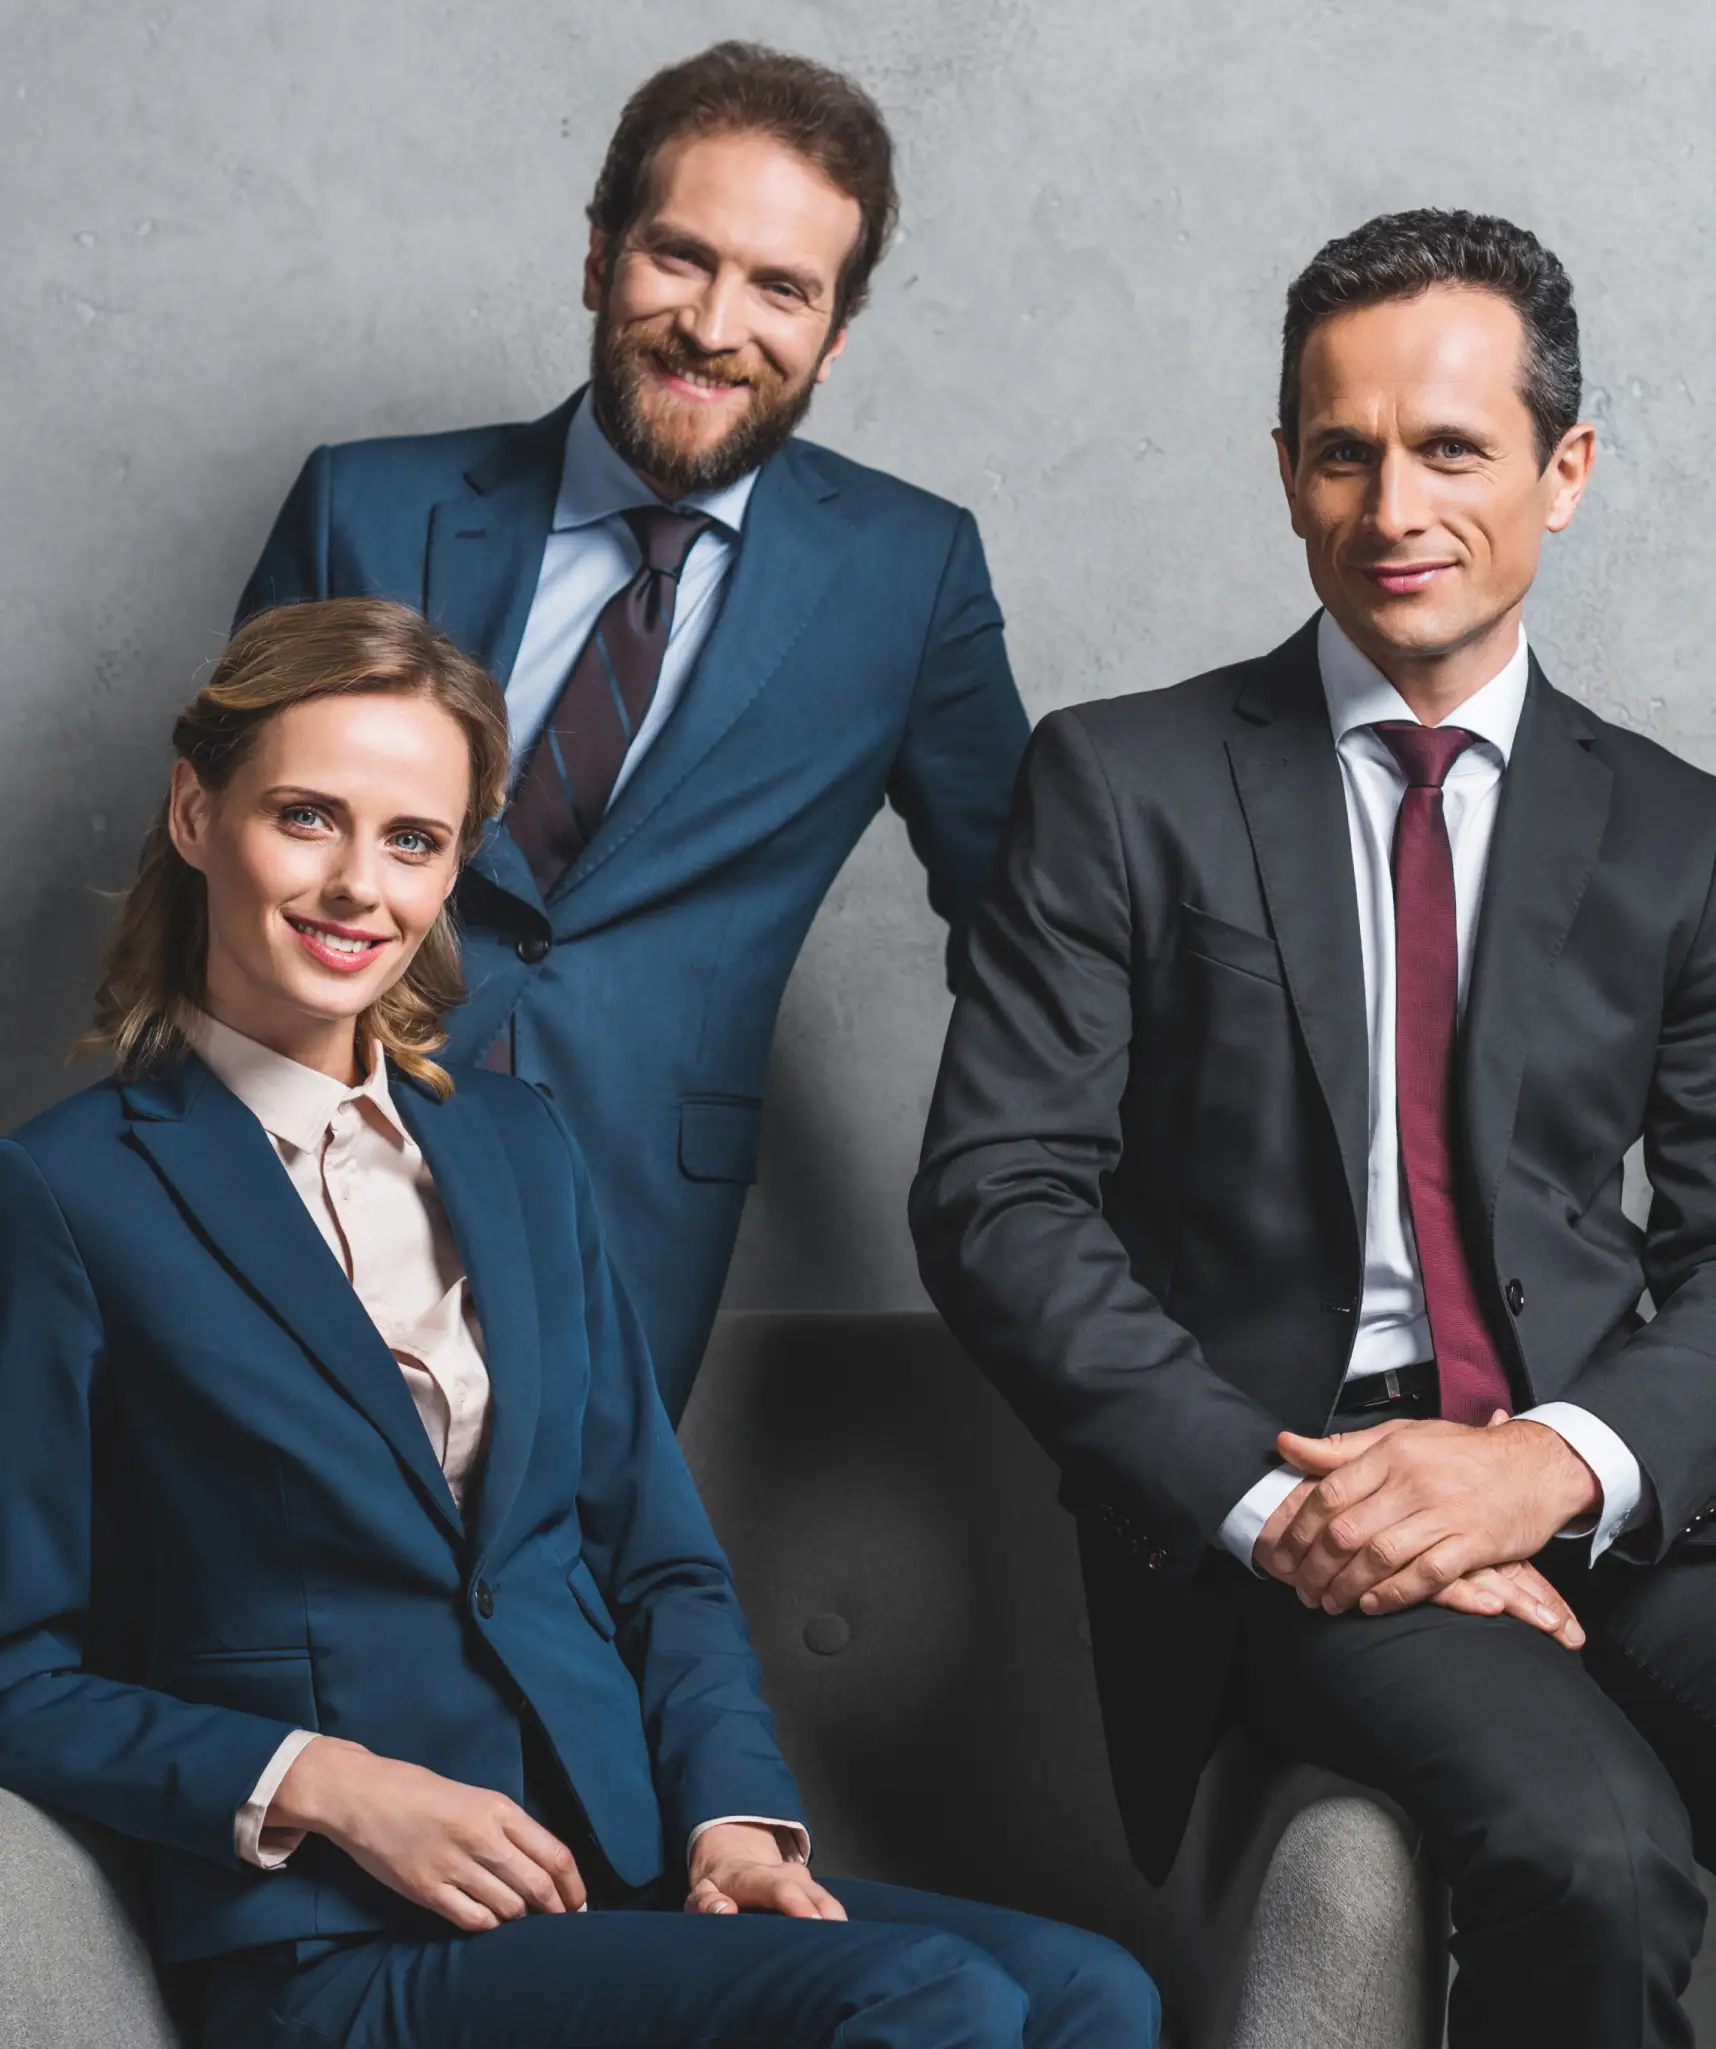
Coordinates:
(1564,1798)
(908,1971)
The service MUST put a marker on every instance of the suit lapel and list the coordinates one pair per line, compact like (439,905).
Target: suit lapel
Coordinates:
(486,544)
(217,1160)
(795,535)
(1554,807)
(1289,782)
(477,1190)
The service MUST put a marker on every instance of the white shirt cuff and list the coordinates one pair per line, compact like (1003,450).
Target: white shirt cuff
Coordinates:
(1625,1503)
(1245,1520)
(793,1836)
(250,1824)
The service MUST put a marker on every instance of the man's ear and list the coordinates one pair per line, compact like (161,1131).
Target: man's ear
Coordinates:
(188,807)
(1568,473)
(835,348)
(595,271)
(1289,480)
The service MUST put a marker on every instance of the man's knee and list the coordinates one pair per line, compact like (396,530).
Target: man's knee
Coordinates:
(1613,1868)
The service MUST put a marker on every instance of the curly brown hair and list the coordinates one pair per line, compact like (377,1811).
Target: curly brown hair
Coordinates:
(744,88)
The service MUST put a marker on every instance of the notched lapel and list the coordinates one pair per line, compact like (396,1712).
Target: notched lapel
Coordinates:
(795,535)
(217,1160)
(1549,829)
(486,545)
(1289,782)
(475,1182)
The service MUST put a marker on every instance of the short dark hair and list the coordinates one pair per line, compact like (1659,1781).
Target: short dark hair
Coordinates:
(1399,255)
(740,88)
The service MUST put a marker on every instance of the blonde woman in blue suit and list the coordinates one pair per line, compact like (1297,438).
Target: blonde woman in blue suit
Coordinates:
(347,1559)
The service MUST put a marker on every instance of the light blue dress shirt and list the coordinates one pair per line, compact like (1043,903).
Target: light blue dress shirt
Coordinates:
(590,555)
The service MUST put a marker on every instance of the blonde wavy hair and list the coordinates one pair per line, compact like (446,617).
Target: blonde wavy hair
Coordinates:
(152,979)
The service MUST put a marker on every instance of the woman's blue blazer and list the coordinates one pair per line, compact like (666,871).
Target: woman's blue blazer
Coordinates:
(221,1518)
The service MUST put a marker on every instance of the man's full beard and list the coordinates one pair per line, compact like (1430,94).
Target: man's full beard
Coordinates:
(617,373)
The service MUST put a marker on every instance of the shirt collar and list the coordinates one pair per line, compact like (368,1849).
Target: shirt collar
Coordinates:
(1359,694)
(293,1103)
(596,483)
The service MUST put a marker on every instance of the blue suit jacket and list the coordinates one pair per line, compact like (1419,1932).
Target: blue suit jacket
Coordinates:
(221,1517)
(858,656)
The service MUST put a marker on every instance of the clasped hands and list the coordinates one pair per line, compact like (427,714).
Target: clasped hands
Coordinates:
(1416,1511)
(477,1858)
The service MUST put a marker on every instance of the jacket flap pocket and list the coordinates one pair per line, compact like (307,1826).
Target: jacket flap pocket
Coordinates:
(1230,946)
(582,1581)
(719,1137)
(278,1684)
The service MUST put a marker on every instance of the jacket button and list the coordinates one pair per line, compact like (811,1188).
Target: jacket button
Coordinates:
(485,1600)
(1515,1297)
(534,950)
(543,1089)
(1156,1560)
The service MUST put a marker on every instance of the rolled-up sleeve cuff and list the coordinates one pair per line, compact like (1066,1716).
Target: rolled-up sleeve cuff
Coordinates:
(793,1836)
(268,1848)
(1245,1520)
(1625,1502)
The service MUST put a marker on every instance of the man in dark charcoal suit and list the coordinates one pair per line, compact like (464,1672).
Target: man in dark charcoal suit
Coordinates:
(1274,1173)
(723,649)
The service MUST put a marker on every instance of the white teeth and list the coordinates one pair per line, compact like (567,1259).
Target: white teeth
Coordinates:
(333,941)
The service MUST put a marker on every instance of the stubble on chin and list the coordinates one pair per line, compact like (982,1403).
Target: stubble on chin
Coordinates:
(681,462)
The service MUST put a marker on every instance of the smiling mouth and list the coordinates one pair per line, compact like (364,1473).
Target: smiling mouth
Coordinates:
(699,383)
(1399,579)
(340,947)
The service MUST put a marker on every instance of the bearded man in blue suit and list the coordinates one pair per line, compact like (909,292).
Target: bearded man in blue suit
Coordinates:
(722,648)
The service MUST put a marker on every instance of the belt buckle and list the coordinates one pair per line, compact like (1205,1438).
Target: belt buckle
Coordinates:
(1390,1379)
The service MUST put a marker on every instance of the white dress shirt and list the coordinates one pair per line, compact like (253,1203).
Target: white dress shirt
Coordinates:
(591,554)
(1393,1329)
(368,1190)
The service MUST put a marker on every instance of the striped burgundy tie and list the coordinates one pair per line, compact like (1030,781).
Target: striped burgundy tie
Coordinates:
(576,761)
(1426,996)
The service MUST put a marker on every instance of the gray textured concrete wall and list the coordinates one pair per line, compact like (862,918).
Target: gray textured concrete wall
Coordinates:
(232,228)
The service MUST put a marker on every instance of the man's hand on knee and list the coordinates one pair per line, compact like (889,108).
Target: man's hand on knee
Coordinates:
(1398,1515)
(740,1867)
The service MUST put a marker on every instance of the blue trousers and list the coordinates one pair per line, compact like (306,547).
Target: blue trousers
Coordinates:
(909,1970)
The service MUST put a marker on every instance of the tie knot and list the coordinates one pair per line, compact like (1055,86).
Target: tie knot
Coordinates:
(665,537)
(1425,753)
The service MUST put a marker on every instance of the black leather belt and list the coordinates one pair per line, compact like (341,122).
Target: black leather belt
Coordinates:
(1408,1385)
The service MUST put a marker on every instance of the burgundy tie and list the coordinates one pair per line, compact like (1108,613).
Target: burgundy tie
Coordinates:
(1426,996)
(576,760)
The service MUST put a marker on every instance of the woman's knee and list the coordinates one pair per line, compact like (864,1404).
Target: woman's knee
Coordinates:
(1107,2000)
(932,1990)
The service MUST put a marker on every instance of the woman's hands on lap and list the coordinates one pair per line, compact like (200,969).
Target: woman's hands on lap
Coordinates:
(472,1856)
(738,1866)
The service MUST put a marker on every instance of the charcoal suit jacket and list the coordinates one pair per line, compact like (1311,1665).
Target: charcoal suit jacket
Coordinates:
(1141,1204)
(858,658)
(221,1517)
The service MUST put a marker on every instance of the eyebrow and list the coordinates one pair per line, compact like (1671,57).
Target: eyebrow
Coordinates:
(300,793)
(663,236)
(1447,430)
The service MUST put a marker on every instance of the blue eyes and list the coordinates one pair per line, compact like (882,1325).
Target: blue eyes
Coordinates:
(408,842)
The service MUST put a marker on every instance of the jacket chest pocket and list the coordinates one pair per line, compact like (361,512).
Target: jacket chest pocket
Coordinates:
(719,1137)
(1208,941)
